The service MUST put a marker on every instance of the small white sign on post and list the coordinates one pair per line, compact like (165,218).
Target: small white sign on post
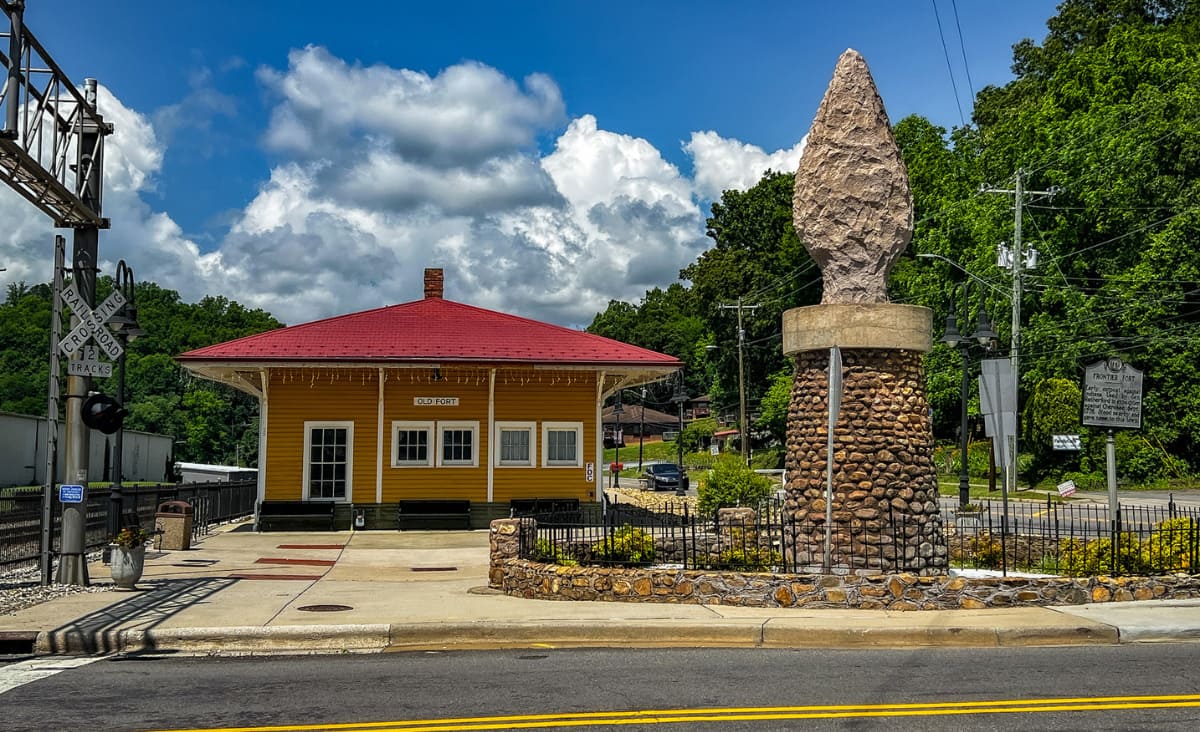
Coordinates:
(1065,442)
(1066,489)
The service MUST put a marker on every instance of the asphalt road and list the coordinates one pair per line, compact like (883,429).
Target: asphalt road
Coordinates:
(1092,688)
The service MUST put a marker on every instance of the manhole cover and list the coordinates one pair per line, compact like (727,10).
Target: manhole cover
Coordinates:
(325,608)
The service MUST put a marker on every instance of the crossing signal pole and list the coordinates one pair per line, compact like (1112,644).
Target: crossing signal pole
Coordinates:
(47,120)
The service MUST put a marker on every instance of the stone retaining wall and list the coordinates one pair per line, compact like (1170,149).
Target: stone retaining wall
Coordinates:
(903,591)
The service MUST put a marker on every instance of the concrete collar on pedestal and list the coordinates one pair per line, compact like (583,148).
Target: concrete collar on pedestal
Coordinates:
(858,326)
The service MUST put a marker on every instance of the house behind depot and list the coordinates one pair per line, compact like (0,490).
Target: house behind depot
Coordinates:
(428,400)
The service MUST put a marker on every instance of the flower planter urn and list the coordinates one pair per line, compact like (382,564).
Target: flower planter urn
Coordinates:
(127,565)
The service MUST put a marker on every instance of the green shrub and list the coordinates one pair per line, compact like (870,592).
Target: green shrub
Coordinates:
(626,545)
(1094,481)
(697,433)
(948,457)
(548,551)
(1174,546)
(770,459)
(749,559)
(982,551)
(732,484)
(1080,558)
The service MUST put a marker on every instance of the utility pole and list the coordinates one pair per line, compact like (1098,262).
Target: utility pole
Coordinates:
(1018,263)
(743,418)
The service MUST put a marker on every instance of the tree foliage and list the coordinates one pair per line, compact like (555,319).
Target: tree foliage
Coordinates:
(1103,113)
(209,422)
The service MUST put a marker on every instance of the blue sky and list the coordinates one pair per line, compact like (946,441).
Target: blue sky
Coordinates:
(312,158)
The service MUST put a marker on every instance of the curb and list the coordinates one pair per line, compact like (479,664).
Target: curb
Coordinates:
(747,633)
(250,640)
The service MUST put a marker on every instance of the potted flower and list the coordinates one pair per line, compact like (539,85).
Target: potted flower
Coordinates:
(128,556)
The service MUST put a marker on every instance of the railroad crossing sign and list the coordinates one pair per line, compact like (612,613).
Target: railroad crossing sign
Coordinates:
(91,323)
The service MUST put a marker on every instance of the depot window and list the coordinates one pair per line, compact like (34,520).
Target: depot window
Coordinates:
(458,444)
(562,444)
(518,443)
(412,444)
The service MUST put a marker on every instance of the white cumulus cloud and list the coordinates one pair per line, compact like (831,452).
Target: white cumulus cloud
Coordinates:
(380,172)
(723,164)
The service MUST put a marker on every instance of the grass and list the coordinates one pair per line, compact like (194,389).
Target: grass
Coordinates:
(657,451)
(949,487)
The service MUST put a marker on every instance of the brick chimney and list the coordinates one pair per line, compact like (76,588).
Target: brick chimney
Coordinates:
(433,283)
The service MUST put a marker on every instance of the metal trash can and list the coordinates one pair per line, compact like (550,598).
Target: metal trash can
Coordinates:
(173,522)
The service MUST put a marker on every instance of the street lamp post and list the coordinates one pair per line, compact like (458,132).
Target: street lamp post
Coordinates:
(125,326)
(642,429)
(616,470)
(679,398)
(984,335)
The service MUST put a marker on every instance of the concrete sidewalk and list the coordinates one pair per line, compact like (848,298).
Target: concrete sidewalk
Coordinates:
(240,592)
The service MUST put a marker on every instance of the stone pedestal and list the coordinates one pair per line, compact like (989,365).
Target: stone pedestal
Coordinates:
(885,497)
(507,536)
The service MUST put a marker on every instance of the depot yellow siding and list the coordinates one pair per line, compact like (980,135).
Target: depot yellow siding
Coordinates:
(428,398)
(555,397)
(401,389)
(295,397)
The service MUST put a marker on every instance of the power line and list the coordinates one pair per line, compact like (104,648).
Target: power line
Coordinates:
(962,47)
(949,67)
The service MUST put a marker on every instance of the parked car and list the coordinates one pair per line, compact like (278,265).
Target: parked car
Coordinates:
(664,477)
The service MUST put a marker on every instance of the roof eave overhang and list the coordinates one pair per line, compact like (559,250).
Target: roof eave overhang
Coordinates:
(244,375)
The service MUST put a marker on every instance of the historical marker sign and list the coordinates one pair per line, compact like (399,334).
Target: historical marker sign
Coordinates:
(1112,395)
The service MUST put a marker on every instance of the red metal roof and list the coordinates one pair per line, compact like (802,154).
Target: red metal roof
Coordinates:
(432,329)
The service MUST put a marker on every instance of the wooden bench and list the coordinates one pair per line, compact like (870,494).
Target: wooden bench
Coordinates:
(285,515)
(434,514)
(549,511)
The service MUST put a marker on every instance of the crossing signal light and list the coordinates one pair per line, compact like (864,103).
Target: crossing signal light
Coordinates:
(102,412)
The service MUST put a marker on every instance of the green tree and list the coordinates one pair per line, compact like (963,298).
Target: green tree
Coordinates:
(756,256)
(1103,112)
(160,396)
(775,404)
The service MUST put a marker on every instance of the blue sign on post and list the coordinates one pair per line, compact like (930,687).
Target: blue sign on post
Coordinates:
(70,494)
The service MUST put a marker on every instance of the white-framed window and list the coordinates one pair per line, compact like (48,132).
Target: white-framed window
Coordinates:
(328,461)
(412,444)
(562,444)
(516,444)
(458,444)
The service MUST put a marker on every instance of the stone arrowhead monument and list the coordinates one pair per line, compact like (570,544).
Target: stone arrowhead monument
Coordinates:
(852,208)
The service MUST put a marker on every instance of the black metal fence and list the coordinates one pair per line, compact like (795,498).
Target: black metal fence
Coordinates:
(21,514)
(1059,539)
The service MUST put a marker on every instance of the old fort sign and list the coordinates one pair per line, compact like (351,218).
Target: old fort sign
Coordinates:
(1112,395)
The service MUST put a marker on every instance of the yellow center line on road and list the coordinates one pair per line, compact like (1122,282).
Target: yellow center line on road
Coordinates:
(741,714)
